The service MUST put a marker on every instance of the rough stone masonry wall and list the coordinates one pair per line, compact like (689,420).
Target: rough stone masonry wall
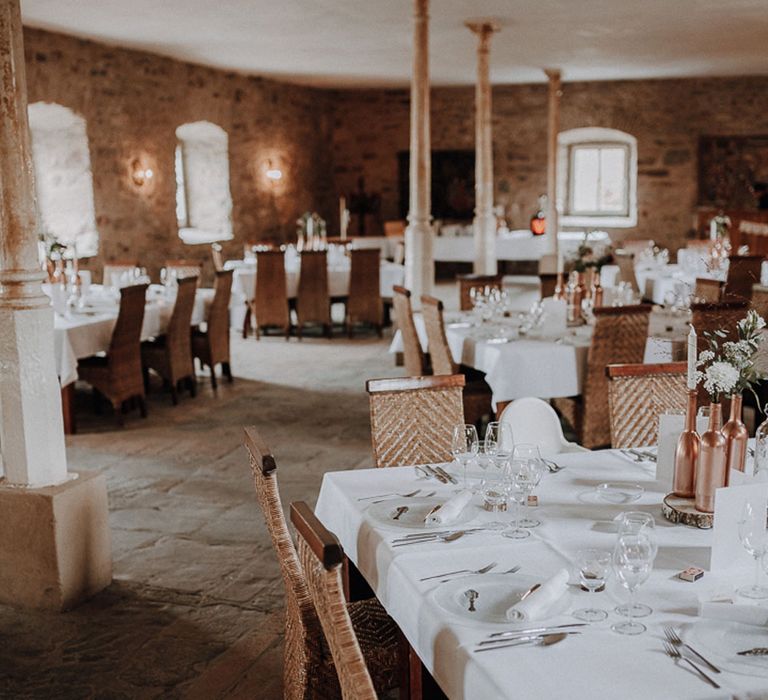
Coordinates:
(133,102)
(666,116)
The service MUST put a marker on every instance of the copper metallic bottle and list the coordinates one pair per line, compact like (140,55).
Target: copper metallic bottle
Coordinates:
(710,474)
(687,453)
(736,436)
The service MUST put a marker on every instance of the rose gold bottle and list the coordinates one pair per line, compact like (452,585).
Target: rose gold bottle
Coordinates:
(710,474)
(736,436)
(560,287)
(687,453)
(597,292)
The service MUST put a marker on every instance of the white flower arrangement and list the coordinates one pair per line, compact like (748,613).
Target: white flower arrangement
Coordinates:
(728,368)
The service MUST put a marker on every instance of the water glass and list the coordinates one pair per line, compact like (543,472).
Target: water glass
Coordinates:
(632,564)
(638,523)
(536,468)
(520,487)
(594,567)
(753,534)
(464,448)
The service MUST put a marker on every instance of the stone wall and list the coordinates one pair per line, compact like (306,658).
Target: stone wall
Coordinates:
(133,102)
(666,116)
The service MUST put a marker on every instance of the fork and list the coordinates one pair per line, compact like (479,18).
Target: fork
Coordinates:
(390,495)
(673,653)
(674,639)
(483,570)
(426,495)
(513,570)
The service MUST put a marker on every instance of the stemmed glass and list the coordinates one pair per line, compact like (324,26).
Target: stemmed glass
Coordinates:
(520,487)
(754,538)
(530,454)
(632,563)
(638,523)
(464,448)
(497,448)
(594,568)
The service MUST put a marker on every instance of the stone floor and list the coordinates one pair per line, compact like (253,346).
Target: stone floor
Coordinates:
(194,610)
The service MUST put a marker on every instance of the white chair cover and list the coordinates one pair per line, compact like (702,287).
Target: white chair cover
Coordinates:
(535,421)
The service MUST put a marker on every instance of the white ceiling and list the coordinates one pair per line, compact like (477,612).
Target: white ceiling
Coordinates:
(368,42)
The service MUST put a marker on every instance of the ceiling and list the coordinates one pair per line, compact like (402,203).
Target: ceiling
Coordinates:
(361,43)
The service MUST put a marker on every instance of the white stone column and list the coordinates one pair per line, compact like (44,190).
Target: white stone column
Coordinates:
(419,265)
(31,428)
(553,129)
(485,221)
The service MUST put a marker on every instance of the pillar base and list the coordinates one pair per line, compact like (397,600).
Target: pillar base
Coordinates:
(55,547)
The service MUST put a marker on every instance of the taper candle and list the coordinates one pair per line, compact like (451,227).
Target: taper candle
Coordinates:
(692,359)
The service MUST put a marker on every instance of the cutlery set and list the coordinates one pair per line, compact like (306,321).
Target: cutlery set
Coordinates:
(639,455)
(440,535)
(672,649)
(536,636)
(469,572)
(436,472)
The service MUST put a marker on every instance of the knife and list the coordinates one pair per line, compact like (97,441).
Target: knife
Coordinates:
(446,475)
(538,629)
(757,651)
(435,473)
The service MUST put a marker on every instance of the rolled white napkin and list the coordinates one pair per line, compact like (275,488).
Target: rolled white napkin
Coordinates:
(541,600)
(450,510)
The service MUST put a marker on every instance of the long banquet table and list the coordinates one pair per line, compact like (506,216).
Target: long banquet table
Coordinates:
(595,664)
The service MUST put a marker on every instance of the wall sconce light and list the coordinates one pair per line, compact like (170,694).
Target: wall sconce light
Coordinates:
(139,174)
(274,174)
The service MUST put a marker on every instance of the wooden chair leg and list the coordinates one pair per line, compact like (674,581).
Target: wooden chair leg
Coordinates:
(226,370)
(142,406)
(174,394)
(192,387)
(68,409)
(247,321)
(119,408)
(213,378)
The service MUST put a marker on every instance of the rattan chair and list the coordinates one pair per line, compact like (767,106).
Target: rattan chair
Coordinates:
(117,375)
(708,290)
(308,670)
(364,303)
(211,346)
(110,276)
(216,257)
(313,303)
(619,336)
(477,394)
(638,394)
(743,273)
(322,559)
(412,418)
(708,318)
(626,263)
(170,355)
(760,301)
(467,282)
(415,360)
(185,268)
(270,301)
(547,284)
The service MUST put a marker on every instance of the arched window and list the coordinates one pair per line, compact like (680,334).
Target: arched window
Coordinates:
(203,199)
(63,179)
(597,178)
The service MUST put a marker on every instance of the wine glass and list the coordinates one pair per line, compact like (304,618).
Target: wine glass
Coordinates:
(464,448)
(632,563)
(753,535)
(499,441)
(638,523)
(520,486)
(536,467)
(594,568)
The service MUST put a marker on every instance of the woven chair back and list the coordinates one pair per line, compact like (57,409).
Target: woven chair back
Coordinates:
(313,304)
(124,356)
(638,394)
(178,334)
(110,276)
(743,273)
(619,337)
(413,355)
(626,263)
(759,301)
(467,282)
(303,649)
(412,418)
(708,290)
(364,304)
(271,293)
(437,342)
(321,558)
(217,323)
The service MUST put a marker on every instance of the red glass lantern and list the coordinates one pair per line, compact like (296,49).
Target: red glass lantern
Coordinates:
(539,220)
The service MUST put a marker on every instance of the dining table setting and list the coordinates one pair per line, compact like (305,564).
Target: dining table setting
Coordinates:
(513,573)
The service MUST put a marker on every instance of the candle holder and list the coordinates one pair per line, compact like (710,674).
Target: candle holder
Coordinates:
(687,453)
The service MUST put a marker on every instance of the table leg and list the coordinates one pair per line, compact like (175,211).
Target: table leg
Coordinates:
(416,682)
(68,408)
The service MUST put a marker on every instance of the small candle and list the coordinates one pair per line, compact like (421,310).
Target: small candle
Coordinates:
(713,230)
(692,359)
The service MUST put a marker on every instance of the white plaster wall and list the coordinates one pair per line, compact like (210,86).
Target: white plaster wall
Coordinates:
(205,149)
(63,179)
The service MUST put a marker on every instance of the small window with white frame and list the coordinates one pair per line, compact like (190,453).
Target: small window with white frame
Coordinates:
(597,178)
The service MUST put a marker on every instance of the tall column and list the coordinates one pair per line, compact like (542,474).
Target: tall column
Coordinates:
(485,221)
(31,429)
(419,266)
(553,129)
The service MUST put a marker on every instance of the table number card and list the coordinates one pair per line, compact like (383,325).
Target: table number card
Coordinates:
(727,550)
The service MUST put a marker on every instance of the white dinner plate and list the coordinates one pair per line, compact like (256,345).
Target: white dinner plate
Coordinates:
(497,593)
(719,641)
(413,519)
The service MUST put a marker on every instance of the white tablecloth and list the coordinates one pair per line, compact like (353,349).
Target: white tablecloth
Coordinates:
(658,284)
(79,335)
(244,278)
(512,245)
(596,664)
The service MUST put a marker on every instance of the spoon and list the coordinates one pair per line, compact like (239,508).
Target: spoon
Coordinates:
(471,595)
(452,537)
(544,641)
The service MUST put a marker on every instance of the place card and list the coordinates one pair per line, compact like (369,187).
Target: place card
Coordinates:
(727,550)
(670,427)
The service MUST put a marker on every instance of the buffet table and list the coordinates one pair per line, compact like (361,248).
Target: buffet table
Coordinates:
(597,663)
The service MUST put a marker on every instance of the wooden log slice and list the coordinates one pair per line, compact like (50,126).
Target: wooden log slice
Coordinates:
(681,510)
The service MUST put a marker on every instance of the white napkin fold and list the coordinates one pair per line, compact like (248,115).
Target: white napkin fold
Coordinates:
(450,510)
(733,609)
(541,600)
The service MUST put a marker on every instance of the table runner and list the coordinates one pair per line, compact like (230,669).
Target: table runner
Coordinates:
(596,664)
